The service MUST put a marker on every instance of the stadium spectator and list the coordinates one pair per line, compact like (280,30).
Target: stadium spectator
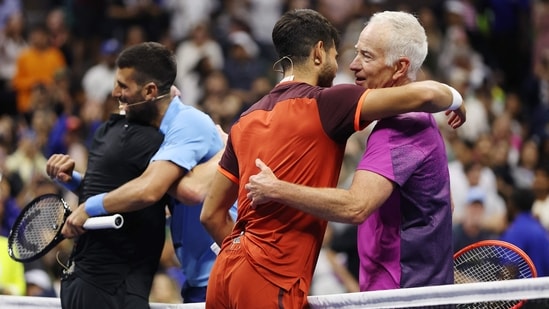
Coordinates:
(36,67)
(12,43)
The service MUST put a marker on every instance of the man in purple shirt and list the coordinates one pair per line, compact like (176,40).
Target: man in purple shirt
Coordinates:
(407,241)
(400,193)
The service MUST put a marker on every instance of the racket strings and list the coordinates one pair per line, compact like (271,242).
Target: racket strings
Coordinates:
(37,228)
(491,263)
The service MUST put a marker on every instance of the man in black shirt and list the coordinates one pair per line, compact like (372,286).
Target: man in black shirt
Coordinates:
(114,268)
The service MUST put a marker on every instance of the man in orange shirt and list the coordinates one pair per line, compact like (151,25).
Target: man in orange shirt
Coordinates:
(36,67)
(300,129)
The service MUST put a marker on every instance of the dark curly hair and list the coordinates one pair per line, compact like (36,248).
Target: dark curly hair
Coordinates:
(152,62)
(297,31)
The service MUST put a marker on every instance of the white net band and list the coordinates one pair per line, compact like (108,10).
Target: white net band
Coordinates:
(467,293)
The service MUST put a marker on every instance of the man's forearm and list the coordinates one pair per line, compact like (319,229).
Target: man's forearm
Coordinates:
(131,198)
(123,199)
(189,191)
(194,186)
(140,192)
(434,96)
(424,96)
(330,204)
(221,230)
(215,215)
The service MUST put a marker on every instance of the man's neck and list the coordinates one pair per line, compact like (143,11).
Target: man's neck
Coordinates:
(308,77)
(163,105)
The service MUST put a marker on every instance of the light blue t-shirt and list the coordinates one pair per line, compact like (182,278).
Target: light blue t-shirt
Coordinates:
(190,138)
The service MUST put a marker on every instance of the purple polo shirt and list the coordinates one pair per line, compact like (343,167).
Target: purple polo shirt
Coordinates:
(407,242)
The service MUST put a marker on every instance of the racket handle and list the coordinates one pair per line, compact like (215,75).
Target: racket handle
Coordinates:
(104,222)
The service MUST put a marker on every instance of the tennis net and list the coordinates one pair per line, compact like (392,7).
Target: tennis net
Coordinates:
(490,295)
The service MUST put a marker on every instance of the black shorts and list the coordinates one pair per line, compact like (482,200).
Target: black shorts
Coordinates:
(77,293)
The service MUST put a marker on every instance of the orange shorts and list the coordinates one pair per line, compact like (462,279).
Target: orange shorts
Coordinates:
(234,283)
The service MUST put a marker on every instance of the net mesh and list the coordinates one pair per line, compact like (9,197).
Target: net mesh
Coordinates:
(37,227)
(534,290)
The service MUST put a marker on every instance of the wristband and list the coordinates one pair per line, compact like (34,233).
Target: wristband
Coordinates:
(74,183)
(94,205)
(215,248)
(457,100)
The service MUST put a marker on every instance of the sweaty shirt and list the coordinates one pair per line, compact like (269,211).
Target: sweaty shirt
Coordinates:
(407,242)
(300,132)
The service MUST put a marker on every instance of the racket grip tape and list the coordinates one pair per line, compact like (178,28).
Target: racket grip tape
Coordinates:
(105,222)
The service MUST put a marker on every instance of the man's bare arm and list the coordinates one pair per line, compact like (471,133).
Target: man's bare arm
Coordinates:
(215,211)
(134,195)
(193,187)
(423,96)
(145,189)
(368,191)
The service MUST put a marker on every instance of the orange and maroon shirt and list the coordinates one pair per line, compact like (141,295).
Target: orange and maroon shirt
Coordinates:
(300,132)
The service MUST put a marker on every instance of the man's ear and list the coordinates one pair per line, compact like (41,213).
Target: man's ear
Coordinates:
(150,91)
(318,53)
(401,68)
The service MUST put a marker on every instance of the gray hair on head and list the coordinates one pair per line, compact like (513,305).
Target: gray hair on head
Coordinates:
(405,37)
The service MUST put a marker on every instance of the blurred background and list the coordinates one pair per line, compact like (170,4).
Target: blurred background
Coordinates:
(57,70)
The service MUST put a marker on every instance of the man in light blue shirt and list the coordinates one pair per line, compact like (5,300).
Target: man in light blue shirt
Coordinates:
(183,140)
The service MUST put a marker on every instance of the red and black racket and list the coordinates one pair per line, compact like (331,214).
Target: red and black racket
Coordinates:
(38,228)
(492,260)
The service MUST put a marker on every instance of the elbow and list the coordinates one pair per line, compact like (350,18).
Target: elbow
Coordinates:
(357,218)
(191,197)
(196,198)
(149,197)
(191,192)
(198,195)
(206,219)
(357,215)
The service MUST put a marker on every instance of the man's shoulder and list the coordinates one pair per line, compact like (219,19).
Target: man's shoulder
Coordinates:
(184,114)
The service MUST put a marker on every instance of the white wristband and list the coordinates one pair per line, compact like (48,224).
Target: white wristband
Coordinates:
(457,100)
(215,248)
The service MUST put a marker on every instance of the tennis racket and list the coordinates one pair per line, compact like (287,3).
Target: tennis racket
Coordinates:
(38,228)
(492,260)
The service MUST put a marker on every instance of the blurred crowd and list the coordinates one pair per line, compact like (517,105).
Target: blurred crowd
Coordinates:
(57,71)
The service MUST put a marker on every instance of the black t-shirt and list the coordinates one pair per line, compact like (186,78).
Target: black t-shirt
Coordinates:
(121,151)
